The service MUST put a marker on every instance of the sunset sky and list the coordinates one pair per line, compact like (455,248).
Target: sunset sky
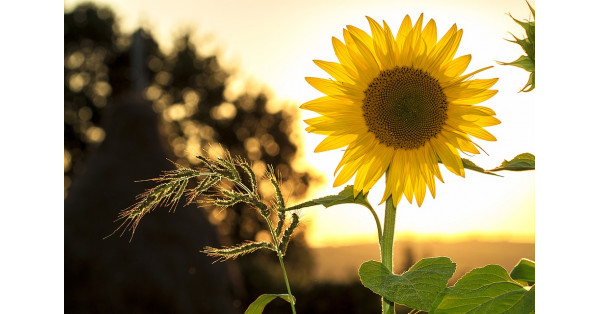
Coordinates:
(274,43)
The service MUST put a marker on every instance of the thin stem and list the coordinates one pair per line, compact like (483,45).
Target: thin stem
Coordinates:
(379,232)
(287,283)
(280,256)
(387,247)
(279,252)
(367,205)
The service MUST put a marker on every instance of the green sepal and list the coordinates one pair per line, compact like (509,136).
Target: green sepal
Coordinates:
(259,304)
(523,62)
(530,8)
(417,288)
(526,62)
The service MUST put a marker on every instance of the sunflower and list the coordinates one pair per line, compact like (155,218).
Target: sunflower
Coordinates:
(400,105)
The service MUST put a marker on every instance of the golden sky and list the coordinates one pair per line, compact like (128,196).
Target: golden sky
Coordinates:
(274,42)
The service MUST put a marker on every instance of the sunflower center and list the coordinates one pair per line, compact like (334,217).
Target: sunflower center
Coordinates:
(405,107)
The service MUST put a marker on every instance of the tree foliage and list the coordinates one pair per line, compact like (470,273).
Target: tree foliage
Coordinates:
(186,89)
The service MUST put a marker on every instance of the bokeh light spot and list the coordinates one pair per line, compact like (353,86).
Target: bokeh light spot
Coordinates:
(85,113)
(95,134)
(67,160)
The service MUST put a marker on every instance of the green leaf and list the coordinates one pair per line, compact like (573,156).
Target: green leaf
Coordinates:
(485,290)
(524,270)
(472,166)
(259,304)
(521,162)
(526,304)
(416,288)
(346,196)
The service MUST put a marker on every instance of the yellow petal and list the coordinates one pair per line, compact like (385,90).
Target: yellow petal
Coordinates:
(377,169)
(362,173)
(357,149)
(444,40)
(432,161)
(347,172)
(470,110)
(349,125)
(336,89)
(335,142)
(367,55)
(470,88)
(459,79)
(403,31)
(485,121)
(477,132)
(336,70)
(361,35)
(472,119)
(406,53)
(413,166)
(436,59)
(454,42)
(467,146)
(392,47)
(379,44)
(328,104)
(408,189)
(428,176)
(430,34)
(419,190)
(401,180)
(448,155)
(365,70)
(312,129)
(457,66)
(418,26)
(472,100)
(343,55)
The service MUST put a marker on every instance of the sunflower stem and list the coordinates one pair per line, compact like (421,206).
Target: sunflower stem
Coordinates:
(387,248)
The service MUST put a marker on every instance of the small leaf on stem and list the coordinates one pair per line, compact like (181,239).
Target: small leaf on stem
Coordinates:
(259,304)
(346,196)
(521,162)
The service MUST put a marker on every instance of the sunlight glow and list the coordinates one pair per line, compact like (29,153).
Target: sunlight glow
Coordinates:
(275,42)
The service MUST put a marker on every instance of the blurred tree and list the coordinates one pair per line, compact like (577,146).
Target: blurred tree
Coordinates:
(97,66)
(90,44)
(187,91)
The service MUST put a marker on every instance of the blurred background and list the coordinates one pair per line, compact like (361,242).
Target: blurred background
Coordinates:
(147,82)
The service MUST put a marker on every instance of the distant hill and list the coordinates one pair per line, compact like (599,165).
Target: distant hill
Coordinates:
(340,264)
